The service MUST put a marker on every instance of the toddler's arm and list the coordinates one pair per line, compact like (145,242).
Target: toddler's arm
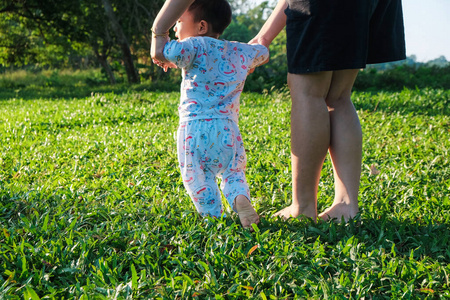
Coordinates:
(181,53)
(261,55)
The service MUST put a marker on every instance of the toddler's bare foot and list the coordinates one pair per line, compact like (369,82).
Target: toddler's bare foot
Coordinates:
(337,211)
(292,211)
(246,212)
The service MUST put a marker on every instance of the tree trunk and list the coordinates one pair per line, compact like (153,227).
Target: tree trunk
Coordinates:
(107,68)
(104,62)
(132,75)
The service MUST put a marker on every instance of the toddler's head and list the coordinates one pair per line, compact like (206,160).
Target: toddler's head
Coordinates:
(204,18)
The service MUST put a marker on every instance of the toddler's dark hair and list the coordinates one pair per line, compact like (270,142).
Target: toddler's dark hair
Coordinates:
(217,13)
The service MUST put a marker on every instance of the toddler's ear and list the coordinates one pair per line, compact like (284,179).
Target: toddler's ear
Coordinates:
(203,27)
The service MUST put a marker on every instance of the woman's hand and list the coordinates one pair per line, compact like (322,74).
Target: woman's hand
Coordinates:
(165,19)
(260,41)
(157,50)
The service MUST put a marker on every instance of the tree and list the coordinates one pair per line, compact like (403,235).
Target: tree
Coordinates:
(15,45)
(24,41)
(246,21)
(237,32)
(132,74)
(108,27)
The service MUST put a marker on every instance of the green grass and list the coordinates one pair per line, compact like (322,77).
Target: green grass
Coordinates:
(92,205)
(70,84)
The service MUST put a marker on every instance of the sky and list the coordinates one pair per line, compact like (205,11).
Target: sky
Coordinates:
(427,28)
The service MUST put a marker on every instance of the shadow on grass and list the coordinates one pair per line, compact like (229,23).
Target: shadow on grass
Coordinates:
(404,238)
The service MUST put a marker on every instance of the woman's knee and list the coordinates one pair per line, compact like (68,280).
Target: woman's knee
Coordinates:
(309,86)
(341,87)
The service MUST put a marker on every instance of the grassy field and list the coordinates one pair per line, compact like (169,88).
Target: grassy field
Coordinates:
(92,205)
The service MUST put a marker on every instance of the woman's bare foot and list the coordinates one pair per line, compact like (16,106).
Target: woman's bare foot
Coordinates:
(246,212)
(338,211)
(287,212)
(292,211)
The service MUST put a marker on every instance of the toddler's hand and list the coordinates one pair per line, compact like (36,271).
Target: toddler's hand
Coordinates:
(165,65)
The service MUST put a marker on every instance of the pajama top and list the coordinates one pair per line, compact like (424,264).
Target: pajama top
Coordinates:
(214,73)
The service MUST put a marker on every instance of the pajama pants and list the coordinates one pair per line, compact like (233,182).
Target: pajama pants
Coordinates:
(207,149)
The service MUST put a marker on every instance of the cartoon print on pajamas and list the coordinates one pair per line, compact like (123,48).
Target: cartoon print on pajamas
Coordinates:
(209,142)
(218,156)
(186,166)
(220,89)
(205,199)
(227,68)
(193,105)
(214,72)
(227,139)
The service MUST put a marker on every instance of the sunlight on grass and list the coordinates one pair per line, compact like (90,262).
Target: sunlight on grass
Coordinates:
(93,206)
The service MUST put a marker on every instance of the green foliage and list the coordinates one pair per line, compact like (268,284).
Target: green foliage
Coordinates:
(68,84)
(247,22)
(50,78)
(237,32)
(404,76)
(51,33)
(37,33)
(92,205)
(15,45)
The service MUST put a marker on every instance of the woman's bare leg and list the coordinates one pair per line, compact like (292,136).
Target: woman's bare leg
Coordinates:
(310,138)
(323,118)
(345,147)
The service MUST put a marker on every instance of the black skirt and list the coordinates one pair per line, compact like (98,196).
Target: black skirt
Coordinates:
(328,35)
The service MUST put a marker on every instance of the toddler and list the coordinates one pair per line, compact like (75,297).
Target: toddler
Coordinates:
(209,142)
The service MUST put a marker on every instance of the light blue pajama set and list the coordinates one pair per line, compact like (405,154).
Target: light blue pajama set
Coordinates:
(209,142)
